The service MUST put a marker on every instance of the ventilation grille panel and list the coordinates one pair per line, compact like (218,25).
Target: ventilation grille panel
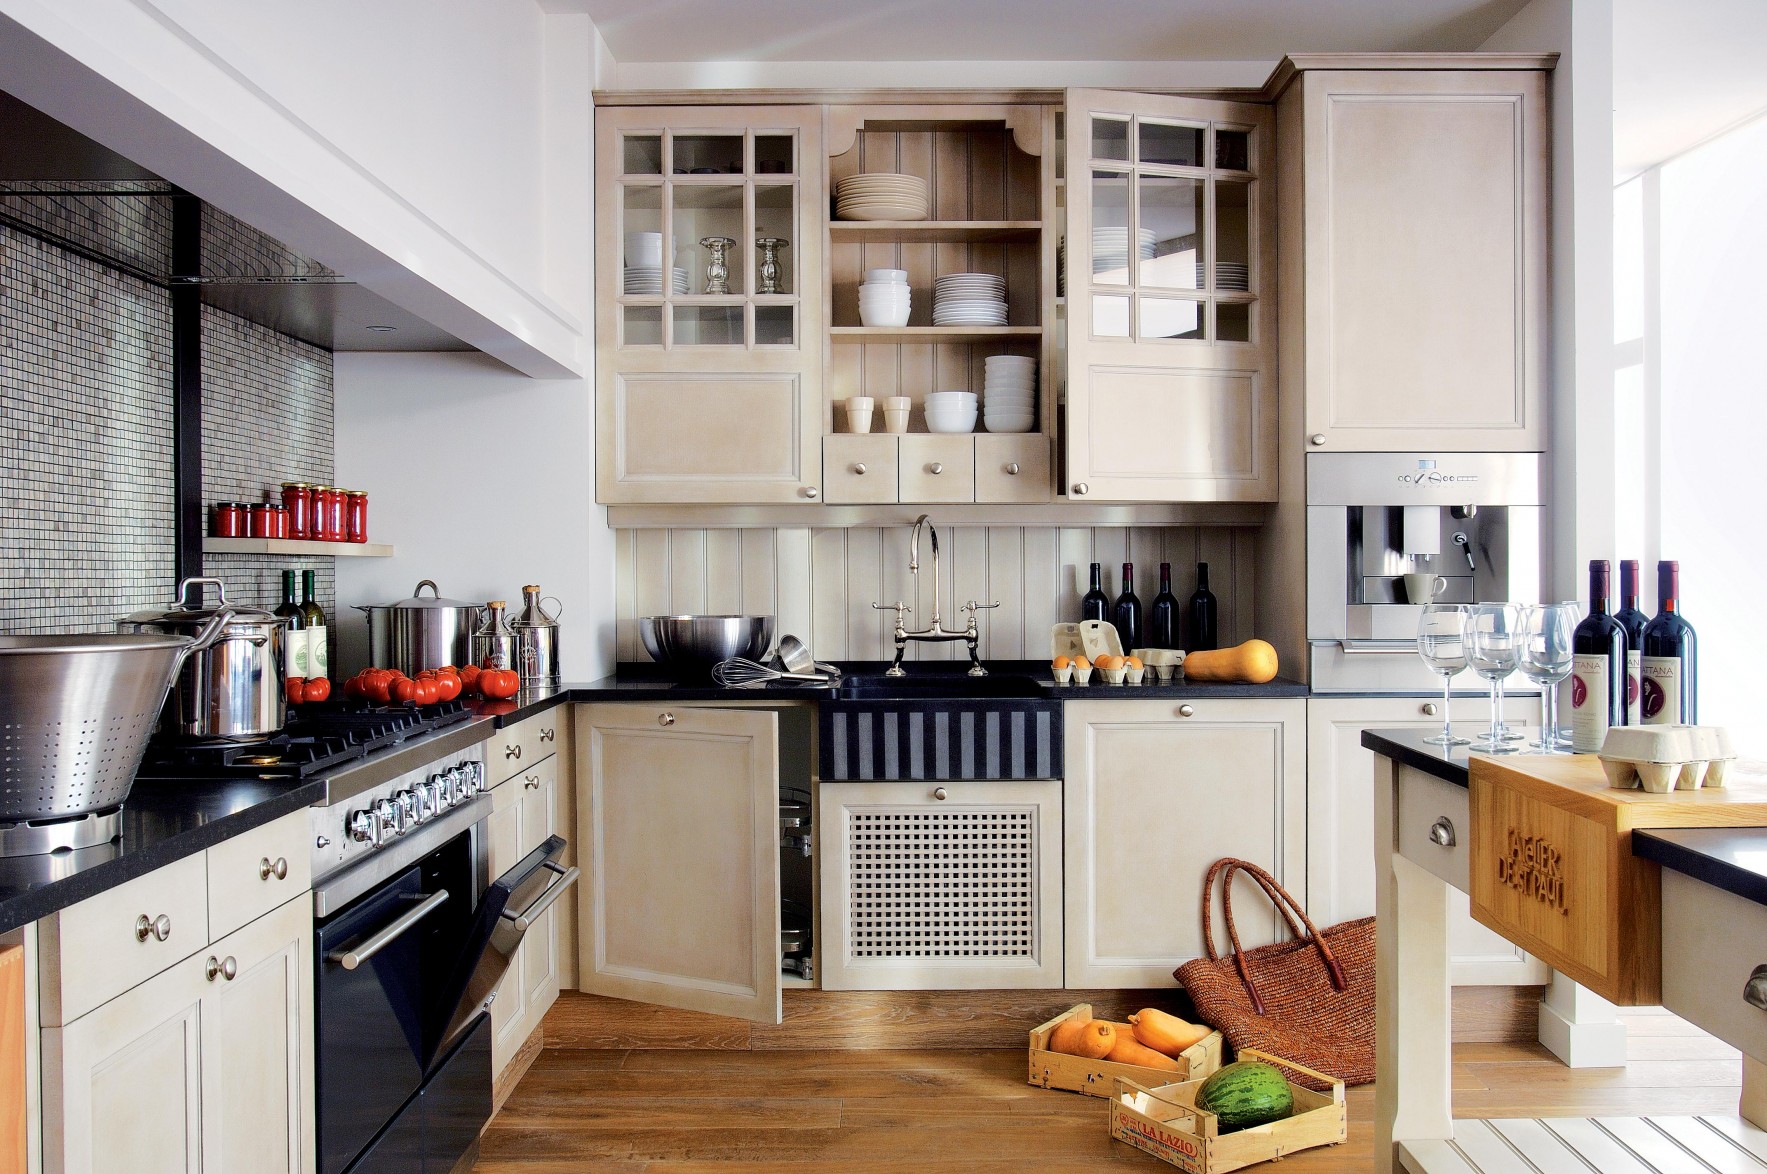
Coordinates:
(958,883)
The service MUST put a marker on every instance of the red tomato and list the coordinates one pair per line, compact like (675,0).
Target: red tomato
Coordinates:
(447,686)
(469,679)
(297,691)
(402,691)
(499,684)
(425,692)
(318,689)
(379,690)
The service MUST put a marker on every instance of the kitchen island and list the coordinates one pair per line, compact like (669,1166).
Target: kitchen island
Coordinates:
(1426,802)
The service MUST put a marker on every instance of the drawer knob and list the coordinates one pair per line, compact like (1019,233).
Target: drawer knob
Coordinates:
(227,968)
(935,468)
(1187,711)
(1442,832)
(1081,489)
(1428,708)
(547,735)
(158,927)
(859,469)
(530,782)
(811,492)
(1318,438)
(665,719)
(1754,992)
(941,794)
(1012,469)
(278,869)
(514,752)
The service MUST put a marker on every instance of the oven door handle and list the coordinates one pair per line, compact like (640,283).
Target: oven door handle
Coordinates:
(521,921)
(351,959)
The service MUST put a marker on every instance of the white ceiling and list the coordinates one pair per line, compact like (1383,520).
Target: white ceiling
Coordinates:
(1030,30)
(1683,73)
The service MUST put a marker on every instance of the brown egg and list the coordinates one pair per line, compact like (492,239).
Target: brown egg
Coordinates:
(1062,662)
(1133,662)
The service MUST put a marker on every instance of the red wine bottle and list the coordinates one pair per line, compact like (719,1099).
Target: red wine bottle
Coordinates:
(1095,604)
(1598,668)
(1203,615)
(1162,618)
(1126,613)
(1633,620)
(1669,663)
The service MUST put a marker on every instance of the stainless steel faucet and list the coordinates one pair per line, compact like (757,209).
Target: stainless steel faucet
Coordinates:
(936,631)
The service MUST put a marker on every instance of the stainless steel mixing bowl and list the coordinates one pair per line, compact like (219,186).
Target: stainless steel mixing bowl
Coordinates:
(693,644)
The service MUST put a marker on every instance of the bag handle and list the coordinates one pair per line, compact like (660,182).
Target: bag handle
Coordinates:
(1215,869)
(1281,897)
(1284,902)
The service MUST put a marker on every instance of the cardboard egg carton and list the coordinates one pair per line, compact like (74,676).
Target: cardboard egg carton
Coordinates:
(1666,758)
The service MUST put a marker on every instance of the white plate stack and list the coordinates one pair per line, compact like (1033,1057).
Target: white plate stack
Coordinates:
(644,266)
(1110,248)
(1009,395)
(1232,275)
(880,196)
(884,298)
(969,299)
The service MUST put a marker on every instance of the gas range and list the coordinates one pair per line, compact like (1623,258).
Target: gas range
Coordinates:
(316,739)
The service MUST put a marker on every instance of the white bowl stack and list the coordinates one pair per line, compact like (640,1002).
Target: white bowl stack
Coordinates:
(1009,395)
(951,411)
(1232,275)
(1110,248)
(969,299)
(881,196)
(884,298)
(644,266)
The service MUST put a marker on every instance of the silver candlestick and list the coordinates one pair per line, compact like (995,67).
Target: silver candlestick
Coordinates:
(770,272)
(718,268)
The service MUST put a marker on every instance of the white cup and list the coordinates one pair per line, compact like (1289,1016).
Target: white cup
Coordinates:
(1422,589)
(898,402)
(895,420)
(859,409)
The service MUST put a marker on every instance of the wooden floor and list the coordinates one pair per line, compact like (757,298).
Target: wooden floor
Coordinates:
(723,1111)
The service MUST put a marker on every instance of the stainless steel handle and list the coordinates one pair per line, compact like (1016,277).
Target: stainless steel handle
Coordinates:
(1442,832)
(548,735)
(530,782)
(665,719)
(1428,708)
(158,927)
(1081,489)
(277,869)
(935,468)
(1317,438)
(941,794)
(811,492)
(1012,469)
(859,469)
(514,752)
(1754,992)
(1187,711)
(351,959)
(566,878)
(227,968)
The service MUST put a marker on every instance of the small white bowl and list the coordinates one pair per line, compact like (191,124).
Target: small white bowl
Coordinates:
(887,276)
(937,421)
(1010,362)
(966,396)
(883,316)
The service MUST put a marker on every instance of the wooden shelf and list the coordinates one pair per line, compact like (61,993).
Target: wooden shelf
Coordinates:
(934,231)
(933,333)
(296,546)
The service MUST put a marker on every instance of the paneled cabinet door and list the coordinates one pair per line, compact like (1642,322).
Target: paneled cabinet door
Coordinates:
(193,1070)
(1171,278)
(1340,823)
(1156,791)
(678,840)
(523,814)
(708,373)
(1423,261)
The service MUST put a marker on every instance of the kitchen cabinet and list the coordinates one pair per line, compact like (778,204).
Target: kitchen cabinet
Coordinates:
(941,885)
(1415,287)
(1157,791)
(1340,824)
(708,396)
(992,468)
(678,839)
(208,1065)
(1171,323)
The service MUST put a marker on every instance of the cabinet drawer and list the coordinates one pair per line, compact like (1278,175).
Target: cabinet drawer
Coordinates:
(1013,468)
(95,950)
(523,745)
(858,469)
(1425,802)
(533,790)
(253,873)
(1704,972)
(937,468)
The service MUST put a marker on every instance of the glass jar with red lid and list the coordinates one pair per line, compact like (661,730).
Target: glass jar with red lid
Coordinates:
(328,514)
(355,515)
(230,520)
(297,499)
(262,522)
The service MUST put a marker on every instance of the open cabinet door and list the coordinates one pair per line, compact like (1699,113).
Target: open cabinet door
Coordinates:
(1171,284)
(678,833)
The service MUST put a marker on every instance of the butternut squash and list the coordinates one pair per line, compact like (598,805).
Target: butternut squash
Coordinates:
(1066,1035)
(1127,1051)
(1096,1040)
(1155,1029)
(1253,662)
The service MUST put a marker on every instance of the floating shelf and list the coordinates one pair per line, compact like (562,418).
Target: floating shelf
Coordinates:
(934,231)
(296,546)
(933,333)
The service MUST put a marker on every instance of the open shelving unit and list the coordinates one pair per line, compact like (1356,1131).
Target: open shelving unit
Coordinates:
(296,546)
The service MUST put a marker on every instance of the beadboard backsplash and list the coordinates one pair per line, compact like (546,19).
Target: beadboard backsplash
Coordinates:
(820,583)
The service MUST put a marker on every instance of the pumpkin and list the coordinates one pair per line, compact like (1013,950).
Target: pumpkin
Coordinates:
(1126,1050)
(1253,662)
(1066,1035)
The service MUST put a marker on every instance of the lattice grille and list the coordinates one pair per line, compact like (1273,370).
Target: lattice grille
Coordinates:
(950,883)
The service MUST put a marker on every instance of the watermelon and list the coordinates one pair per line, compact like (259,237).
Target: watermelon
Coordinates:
(1245,1094)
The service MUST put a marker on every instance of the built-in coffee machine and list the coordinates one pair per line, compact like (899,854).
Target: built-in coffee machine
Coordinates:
(1390,532)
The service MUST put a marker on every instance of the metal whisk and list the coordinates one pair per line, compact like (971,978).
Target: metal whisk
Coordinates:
(741,673)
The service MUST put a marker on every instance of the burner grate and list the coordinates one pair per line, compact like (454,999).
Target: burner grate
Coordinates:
(316,739)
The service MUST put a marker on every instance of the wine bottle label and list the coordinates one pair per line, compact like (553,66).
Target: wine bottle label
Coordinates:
(318,652)
(1589,703)
(1634,688)
(294,654)
(1660,688)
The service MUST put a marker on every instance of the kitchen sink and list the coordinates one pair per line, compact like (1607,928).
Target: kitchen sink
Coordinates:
(939,725)
(953,686)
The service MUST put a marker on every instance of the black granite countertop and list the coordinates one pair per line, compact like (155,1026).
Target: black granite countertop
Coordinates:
(1732,859)
(1450,763)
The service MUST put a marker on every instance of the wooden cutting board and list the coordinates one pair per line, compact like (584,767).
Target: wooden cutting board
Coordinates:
(1553,871)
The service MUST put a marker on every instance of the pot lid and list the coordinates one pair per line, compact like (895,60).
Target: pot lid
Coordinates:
(181,611)
(435,599)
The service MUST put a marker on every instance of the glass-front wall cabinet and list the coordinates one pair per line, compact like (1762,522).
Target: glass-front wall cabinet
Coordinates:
(709,262)
(1170,284)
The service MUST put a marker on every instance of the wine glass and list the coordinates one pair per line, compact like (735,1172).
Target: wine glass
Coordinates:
(1493,649)
(1442,644)
(1546,660)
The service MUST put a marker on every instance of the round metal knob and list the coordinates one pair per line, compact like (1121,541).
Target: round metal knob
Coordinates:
(227,968)
(530,782)
(935,468)
(158,927)
(514,752)
(1442,832)
(1428,708)
(1187,711)
(277,869)
(548,735)
(665,719)
(1318,438)
(859,469)
(1081,489)
(1012,469)
(940,793)
(811,492)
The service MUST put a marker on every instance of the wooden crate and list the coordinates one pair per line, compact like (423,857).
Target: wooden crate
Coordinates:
(1096,1077)
(1552,870)
(1164,1121)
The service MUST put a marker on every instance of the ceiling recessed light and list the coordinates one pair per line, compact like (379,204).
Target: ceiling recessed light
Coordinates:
(383,329)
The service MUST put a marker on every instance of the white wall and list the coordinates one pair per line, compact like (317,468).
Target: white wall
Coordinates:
(483,480)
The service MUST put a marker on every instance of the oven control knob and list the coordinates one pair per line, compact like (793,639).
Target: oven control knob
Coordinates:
(441,795)
(423,797)
(364,828)
(388,820)
(410,813)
